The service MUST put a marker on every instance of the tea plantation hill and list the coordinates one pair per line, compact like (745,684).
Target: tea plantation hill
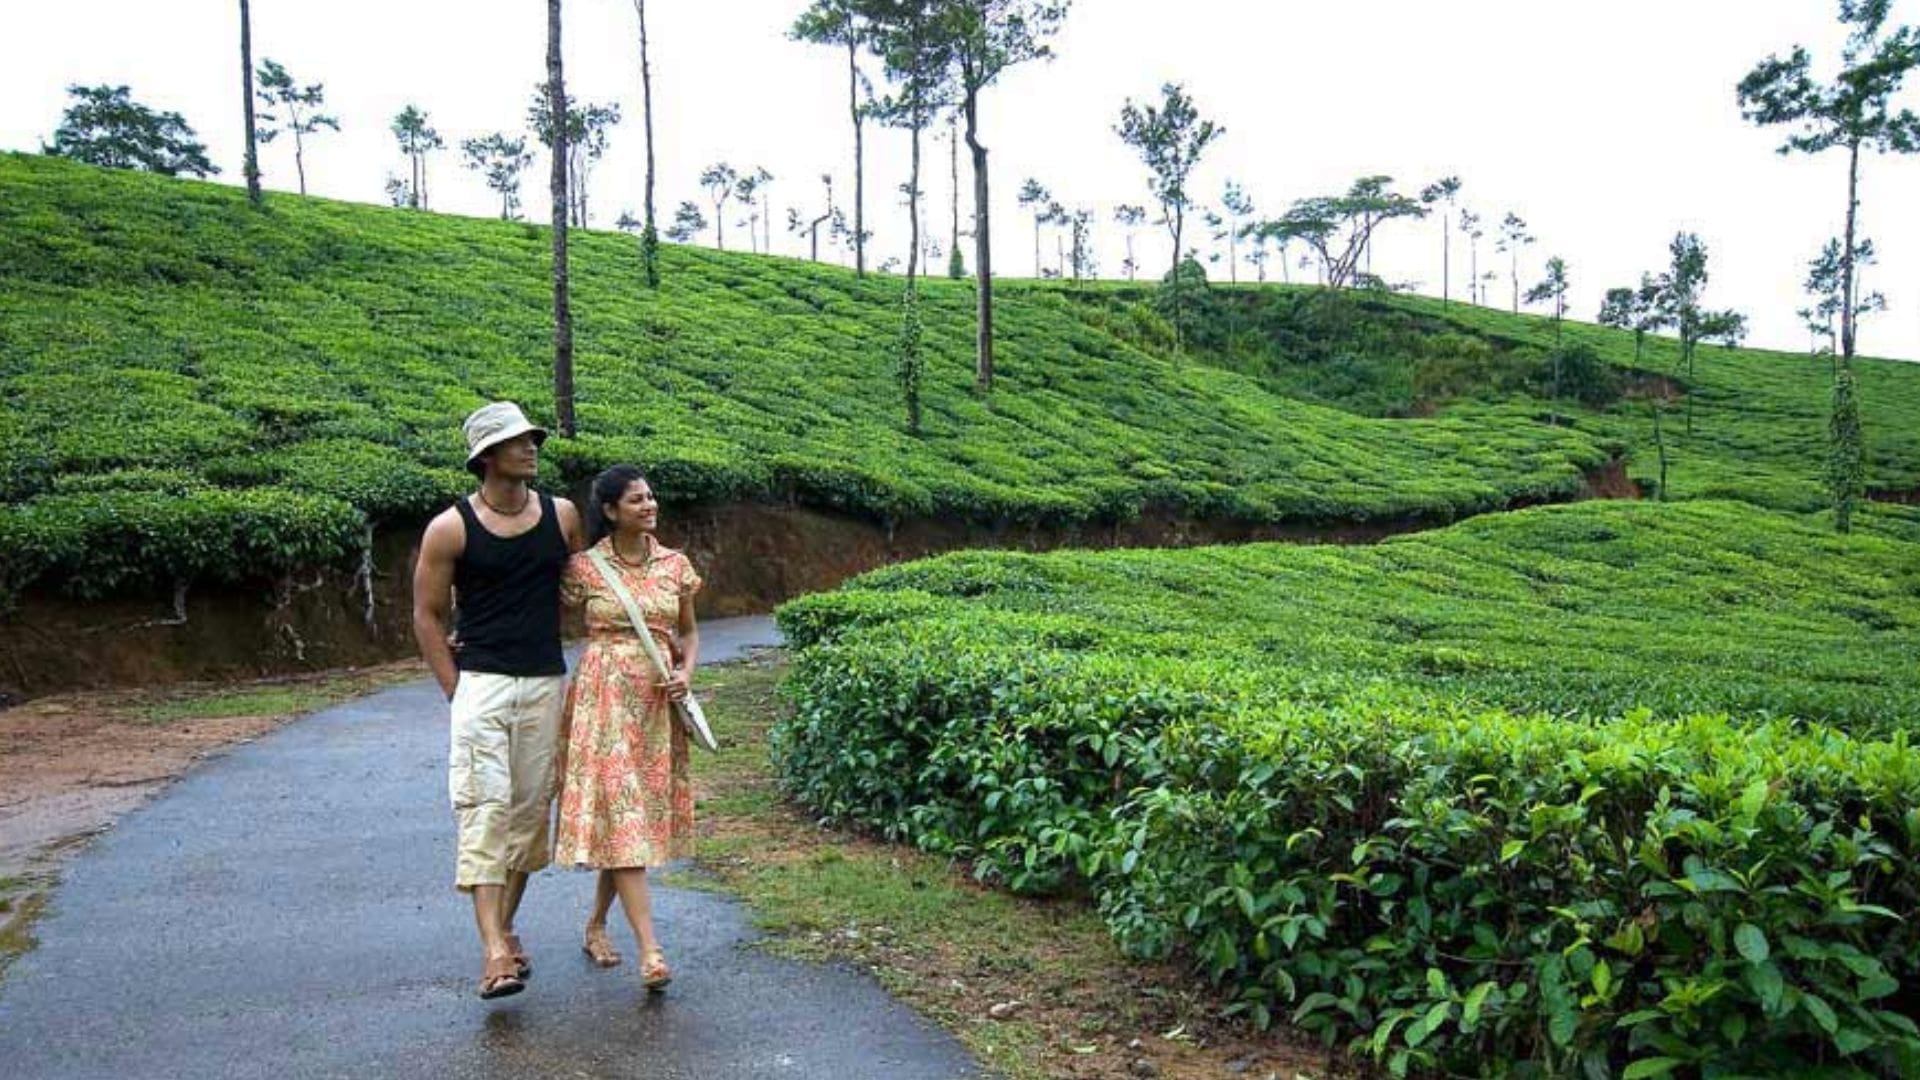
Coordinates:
(1758,417)
(195,390)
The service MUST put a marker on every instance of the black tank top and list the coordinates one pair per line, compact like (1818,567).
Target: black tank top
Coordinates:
(508,594)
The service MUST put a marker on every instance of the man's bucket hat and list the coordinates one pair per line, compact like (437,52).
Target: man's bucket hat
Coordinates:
(494,423)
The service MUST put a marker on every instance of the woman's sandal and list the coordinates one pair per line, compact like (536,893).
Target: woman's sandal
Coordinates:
(656,974)
(501,979)
(524,966)
(599,949)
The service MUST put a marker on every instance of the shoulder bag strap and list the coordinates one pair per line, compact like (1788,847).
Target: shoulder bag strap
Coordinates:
(612,578)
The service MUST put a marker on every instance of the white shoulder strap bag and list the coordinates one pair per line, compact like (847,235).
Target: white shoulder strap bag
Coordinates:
(687,709)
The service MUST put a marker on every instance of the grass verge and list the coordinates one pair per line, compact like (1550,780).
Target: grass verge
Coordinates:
(1035,988)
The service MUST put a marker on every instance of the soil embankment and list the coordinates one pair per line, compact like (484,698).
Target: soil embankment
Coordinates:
(754,556)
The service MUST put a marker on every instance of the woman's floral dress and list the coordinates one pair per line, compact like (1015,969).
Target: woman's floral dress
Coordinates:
(625,796)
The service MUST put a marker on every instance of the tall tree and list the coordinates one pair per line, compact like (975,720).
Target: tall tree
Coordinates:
(750,188)
(417,139)
(984,38)
(1239,207)
(649,233)
(500,161)
(956,263)
(1036,198)
(1553,287)
(1470,226)
(1169,137)
(1444,190)
(797,224)
(1677,304)
(916,49)
(840,23)
(557,184)
(1080,249)
(722,182)
(104,126)
(252,164)
(1057,216)
(1853,112)
(688,223)
(588,128)
(1129,217)
(302,115)
(1513,237)
(1827,283)
(1340,228)
(1632,309)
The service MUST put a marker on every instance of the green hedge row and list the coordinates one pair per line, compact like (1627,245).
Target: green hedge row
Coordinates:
(1286,765)
(1482,893)
(1591,609)
(95,544)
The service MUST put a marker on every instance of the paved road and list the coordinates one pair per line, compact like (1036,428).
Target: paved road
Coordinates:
(285,911)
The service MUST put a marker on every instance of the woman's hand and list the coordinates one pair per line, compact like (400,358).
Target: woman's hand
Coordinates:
(676,688)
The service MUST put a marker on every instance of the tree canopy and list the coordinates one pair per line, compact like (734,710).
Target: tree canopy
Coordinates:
(105,126)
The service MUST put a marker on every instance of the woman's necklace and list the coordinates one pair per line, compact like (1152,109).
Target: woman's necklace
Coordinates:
(526,498)
(641,564)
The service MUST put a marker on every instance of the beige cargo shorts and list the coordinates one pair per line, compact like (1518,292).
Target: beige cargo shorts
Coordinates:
(500,773)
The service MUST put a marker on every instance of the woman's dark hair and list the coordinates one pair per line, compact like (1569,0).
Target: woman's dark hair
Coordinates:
(607,488)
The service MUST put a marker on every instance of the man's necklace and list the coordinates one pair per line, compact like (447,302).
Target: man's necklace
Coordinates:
(525,500)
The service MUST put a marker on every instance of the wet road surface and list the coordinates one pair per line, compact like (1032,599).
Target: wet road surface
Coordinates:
(286,911)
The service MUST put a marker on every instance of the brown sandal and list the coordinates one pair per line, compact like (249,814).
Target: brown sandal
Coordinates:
(523,966)
(599,949)
(500,979)
(656,974)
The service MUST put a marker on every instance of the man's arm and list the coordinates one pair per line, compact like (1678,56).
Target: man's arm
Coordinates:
(570,526)
(433,596)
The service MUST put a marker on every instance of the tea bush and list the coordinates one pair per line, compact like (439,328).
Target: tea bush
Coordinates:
(1468,801)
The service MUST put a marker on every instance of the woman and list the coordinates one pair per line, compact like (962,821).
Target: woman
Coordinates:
(626,802)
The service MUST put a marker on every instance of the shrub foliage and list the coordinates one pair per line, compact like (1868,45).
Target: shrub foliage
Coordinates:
(1401,847)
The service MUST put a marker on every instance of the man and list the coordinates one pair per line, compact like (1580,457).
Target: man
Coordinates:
(501,551)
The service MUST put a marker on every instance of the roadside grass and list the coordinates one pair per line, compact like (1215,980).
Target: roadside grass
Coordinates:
(277,698)
(1035,988)
(22,899)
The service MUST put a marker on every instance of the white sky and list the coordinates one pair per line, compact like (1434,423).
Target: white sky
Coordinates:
(1606,125)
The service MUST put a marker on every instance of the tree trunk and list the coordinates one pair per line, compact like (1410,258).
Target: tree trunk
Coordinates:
(913,208)
(1173,281)
(562,312)
(859,158)
(1446,262)
(649,235)
(1847,268)
(982,252)
(252,165)
(1131,267)
(299,155)
(1038,270)
(953,180)
(1513,273)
